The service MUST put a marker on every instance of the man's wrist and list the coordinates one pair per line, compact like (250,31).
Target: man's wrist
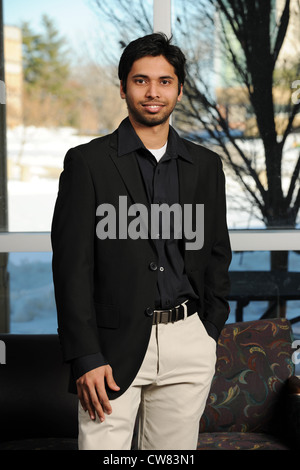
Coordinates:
(82,365)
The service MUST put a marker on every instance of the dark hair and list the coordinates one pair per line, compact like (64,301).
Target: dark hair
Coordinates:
(152,45)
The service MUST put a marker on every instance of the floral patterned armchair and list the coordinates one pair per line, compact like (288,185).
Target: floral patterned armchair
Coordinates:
(254,402)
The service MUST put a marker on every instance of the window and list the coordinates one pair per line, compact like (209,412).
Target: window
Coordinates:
(244,107)
(41,127)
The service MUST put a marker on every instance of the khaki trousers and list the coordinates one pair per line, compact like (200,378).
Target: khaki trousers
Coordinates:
(170,391)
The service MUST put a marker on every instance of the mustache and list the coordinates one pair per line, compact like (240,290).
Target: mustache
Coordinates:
(154,103)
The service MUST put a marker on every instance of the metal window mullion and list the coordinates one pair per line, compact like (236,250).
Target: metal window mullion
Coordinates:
(162,17)
(241,240)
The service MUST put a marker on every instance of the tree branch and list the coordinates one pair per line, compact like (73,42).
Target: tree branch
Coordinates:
(283,25)
(209,106)
(293,182)
(288,128)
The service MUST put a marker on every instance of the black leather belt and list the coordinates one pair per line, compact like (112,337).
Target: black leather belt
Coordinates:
(174,314)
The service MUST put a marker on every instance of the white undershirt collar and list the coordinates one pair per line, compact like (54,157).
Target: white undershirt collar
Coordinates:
(158,153)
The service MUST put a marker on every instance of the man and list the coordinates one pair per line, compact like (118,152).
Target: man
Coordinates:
(139,312)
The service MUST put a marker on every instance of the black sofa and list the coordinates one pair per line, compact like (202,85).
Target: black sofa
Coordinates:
(36,409)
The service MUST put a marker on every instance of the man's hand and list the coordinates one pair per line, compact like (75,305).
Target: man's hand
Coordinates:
(91,391)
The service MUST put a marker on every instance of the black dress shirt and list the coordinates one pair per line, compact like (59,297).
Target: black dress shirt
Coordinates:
(162,186)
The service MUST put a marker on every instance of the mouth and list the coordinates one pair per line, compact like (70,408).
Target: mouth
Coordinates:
(153,107)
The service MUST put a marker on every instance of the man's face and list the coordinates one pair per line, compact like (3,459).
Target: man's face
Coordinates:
(151,91)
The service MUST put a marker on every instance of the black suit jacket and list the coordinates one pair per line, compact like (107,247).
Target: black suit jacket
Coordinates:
(104,287)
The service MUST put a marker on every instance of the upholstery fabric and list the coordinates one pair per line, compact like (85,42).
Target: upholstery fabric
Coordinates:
(254,360)
(239,441)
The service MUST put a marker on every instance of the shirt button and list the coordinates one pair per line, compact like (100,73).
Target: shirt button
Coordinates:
(149,312)
(161,268)
(153,266)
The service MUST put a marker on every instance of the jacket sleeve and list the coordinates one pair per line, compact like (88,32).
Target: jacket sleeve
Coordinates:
(72,236)
(83,364)
(216,278)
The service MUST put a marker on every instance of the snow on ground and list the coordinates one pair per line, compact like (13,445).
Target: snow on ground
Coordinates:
(35,160)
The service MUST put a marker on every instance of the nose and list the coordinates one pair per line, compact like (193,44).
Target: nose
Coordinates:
(152,90)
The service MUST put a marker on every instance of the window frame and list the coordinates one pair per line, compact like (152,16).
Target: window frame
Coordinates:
(241,240)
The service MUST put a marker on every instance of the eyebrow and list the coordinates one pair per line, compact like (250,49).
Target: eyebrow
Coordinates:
(140,75)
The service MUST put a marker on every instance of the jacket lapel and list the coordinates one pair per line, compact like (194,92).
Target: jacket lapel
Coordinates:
(188,174)
(129,171)
(128,168)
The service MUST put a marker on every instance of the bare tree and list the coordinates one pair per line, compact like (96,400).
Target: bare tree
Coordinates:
(249,35)
(252,35)
(248,23)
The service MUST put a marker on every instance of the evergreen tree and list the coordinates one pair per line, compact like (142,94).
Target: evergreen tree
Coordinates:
(48,93)
(44,60)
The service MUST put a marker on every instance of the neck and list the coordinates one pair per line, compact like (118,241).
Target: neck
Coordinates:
(152,137)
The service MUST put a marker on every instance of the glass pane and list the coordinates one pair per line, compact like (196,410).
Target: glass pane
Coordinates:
(232,107)
(31,294)
(30,303)
(259,290)
(57,102)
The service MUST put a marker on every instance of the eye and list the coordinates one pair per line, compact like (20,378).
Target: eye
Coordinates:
(165,82)
(140,81)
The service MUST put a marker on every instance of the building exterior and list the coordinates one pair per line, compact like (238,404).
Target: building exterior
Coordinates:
(13,75)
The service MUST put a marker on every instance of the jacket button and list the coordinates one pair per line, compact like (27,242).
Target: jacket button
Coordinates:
(153,266)
(149,312)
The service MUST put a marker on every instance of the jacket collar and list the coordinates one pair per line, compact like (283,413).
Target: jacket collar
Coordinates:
(128,167)
(129,141)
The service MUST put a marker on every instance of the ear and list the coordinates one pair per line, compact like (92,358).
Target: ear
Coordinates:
(180,94)
(122,92)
